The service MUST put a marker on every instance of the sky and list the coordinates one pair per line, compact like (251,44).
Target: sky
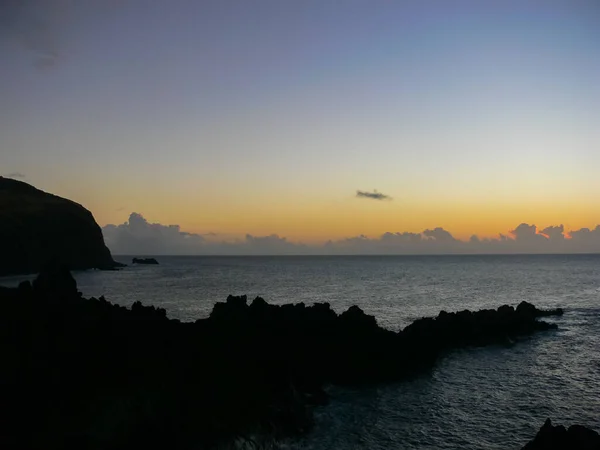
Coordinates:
(317,122)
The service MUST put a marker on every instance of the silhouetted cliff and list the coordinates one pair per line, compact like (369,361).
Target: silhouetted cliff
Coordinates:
(37,227)
(84,373)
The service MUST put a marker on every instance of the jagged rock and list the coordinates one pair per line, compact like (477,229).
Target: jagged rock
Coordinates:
(355,318)
(258,303)
(351,348)
(73,367)
(37,228)
(233,309)
(528,309)
(54,281)
(505,309)
(557,437)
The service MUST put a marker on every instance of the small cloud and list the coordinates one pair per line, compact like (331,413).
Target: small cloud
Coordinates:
(15,175)
(46,60)
(44,28)
(373,195)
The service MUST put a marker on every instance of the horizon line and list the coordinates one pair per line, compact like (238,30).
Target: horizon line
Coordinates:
(355,254)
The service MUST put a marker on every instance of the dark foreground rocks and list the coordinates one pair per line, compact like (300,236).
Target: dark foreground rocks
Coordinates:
(144,261)
(84,373)
(557,437)
(37,227)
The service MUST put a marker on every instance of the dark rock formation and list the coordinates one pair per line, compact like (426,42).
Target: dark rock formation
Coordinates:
(83,373)
(54,282)
(551,437)
(37,227)
(526,308)
(323,347)
(144,261)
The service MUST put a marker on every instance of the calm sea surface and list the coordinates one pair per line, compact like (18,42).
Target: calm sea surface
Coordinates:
(495,397)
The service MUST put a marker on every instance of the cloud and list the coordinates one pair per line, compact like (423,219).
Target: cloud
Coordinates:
(439,235)
(525,238)
(46,61)
(44,27)
(137,236)
(555,233)
(373,195)
(35,25)
(430,241)
(271,244)
(527,233)
(14,175)
(585,240)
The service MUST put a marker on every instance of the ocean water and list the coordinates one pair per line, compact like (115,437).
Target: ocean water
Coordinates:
(485,398)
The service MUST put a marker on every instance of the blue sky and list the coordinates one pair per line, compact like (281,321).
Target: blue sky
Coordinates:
(266,117)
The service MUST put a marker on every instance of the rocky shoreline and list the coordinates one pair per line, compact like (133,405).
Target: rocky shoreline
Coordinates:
(85,373)
(557,437)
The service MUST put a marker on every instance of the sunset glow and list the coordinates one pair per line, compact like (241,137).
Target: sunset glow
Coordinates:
(268,119)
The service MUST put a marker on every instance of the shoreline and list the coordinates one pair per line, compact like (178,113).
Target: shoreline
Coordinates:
(247,369)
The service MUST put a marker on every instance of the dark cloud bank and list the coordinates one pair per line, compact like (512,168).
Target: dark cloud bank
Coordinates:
(139,237)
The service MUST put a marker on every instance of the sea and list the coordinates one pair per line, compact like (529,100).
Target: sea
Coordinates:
(494,397)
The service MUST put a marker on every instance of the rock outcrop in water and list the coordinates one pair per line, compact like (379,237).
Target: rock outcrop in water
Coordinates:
(557,437)
(144,261)
(324,347)
(37,227)
(84,373)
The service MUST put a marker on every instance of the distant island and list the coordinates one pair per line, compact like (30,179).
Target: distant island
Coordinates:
(85,373)
(37,228)
(144,261)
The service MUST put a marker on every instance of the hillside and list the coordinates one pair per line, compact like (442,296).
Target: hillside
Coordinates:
(37,227)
